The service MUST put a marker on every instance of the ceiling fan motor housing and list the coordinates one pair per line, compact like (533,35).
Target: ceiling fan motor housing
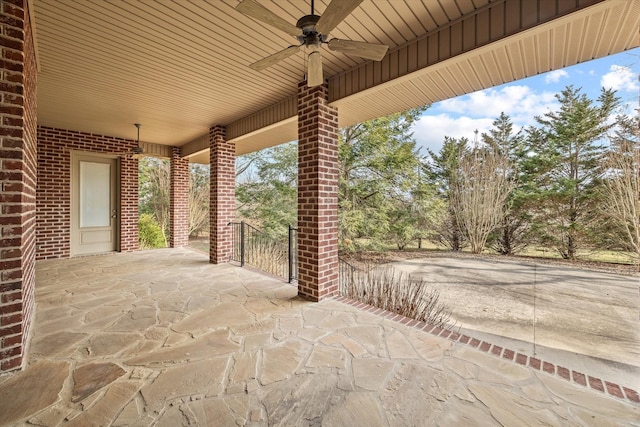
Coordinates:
(310,36)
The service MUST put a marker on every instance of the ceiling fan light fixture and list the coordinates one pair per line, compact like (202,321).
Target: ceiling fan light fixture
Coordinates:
(314,71)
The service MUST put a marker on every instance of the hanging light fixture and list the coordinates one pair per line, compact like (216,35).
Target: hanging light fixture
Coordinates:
(137,151)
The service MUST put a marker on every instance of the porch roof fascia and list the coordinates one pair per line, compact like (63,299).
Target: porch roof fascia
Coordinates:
(370,90)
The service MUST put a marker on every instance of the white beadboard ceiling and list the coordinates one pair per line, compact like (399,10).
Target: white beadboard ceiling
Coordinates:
(180,66)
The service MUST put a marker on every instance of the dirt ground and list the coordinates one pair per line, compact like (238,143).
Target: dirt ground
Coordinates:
(580,318)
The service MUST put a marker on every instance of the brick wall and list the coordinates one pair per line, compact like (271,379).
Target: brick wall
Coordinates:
(18,79)
(179,200)
(222,207)
(317,194)
(53,234)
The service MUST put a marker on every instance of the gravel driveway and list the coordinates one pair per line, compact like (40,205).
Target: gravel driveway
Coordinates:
(591,317)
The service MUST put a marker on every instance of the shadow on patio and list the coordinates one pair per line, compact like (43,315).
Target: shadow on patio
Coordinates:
(164,338)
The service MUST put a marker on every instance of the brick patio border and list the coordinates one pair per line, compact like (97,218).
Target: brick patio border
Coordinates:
(567,374)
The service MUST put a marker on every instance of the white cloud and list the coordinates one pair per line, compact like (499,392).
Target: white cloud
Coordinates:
(461,116)
(520,102)
(429,131)
(555,76)
(620,78)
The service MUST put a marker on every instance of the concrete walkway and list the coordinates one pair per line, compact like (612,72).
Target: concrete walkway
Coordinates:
(584,319)
(164,338)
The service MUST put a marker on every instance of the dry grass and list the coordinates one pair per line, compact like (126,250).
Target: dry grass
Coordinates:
(396,292)
(271,257)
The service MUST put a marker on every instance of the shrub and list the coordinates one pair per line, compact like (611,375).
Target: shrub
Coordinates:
(149,233)
(396,292)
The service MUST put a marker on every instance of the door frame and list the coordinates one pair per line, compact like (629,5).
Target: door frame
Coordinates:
(74,186)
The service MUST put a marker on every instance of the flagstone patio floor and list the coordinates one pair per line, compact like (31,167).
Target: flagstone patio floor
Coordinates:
(164,338)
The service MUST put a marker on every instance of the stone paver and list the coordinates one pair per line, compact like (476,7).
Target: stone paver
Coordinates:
(163,338)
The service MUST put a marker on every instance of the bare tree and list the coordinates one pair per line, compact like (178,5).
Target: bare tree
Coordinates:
(621,198)
(198,199)
(480,188)
(440,171)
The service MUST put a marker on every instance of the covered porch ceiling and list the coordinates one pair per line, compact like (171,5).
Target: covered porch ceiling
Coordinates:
(179,67)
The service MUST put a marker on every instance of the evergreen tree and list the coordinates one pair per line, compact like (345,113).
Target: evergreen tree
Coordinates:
(567,151)
(266,188)
(378,170)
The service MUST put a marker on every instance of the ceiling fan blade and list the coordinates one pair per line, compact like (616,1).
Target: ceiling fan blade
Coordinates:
(257,11)
(273,59)
(314,71)
(361,49)
(334,14)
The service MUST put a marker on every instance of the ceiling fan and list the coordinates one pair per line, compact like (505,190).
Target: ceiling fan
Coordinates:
(312,31)
(136,152)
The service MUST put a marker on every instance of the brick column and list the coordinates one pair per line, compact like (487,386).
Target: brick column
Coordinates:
(222,203)
(18,157)
(129,199)
(179,200)
(317,194)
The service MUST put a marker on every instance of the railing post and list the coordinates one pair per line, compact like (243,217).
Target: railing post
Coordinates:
(242,244)
(290,254)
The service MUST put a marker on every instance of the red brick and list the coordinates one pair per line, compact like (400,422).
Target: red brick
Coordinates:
(632,395)
(596,383)
(496,350)
(11,329)
(508,354)
(564,373)
(428,327)
(10,296)
(12,340)
(579,378)
(534,363)
(12,319)
(549,368)
(10,364)
(614,390)
(485,346)
(521,359)
(8,353)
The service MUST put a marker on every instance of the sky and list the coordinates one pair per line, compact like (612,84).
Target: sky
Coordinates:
(524,99)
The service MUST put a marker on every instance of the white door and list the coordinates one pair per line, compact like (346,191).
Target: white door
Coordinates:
(94,208)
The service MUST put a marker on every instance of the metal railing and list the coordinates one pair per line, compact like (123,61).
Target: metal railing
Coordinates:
(255,248)
(293,253)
